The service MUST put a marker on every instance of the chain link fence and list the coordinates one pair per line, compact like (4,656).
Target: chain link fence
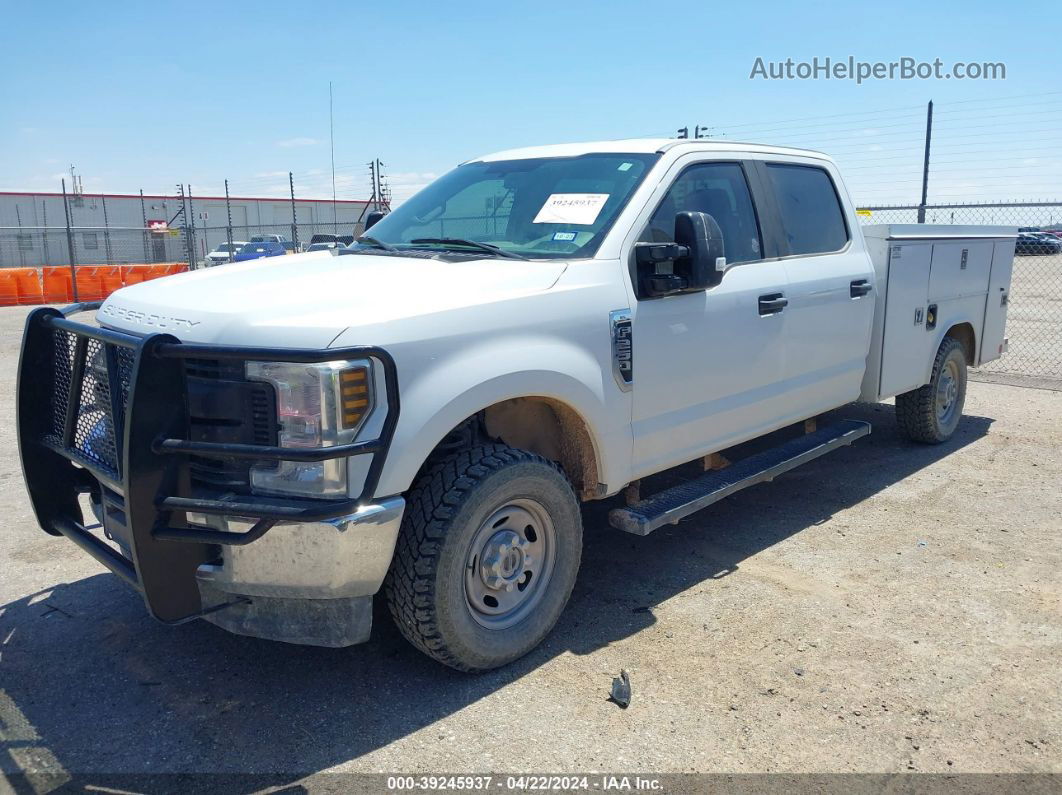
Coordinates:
(1034,324)
(1034,316)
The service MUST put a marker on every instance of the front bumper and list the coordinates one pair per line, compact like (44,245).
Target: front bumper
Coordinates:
(106,413)
(305,582)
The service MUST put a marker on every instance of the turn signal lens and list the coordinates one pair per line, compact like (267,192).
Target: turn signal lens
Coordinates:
(353,396)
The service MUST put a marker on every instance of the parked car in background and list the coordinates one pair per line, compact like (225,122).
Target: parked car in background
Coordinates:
(224,252)
(324,237)
(268,239)
(331,245)
(1033,244)
(257,250)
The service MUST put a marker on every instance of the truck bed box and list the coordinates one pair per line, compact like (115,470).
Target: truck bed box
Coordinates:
(927,275)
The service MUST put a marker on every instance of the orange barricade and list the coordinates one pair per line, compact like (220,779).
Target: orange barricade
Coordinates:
(133,274)
(110,279)
(51,284)
(29,286)
(89,283)
(56,281)
(8,287)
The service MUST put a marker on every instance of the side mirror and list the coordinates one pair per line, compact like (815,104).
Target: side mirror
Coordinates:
(373,217)
(697,258)
(703,239)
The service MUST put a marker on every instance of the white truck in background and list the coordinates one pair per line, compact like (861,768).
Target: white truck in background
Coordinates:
(269,444)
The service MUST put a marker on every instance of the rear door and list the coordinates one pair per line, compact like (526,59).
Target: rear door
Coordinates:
(830,285)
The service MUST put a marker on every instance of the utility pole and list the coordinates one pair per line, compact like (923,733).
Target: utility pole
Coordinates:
(107,233)
(332,144)
(372,180)
(143,217)
(21,253)
(228,227)
(70,245)
(183,214)
(294,218)
(925,164)
(191,240)
(382,191)
(683,132)
(44,234)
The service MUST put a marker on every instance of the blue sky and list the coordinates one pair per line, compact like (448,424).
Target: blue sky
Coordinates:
(146,95)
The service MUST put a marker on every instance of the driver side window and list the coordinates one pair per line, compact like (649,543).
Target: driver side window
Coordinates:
(719,189)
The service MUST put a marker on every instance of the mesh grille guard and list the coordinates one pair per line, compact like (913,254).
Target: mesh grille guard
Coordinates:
(103,411)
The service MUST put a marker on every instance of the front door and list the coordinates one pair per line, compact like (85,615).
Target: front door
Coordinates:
(707,364)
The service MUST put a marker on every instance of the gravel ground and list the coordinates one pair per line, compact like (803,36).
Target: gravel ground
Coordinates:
(888,608)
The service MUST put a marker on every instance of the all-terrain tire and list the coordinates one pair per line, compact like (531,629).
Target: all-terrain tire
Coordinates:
(427,587)
(918,412)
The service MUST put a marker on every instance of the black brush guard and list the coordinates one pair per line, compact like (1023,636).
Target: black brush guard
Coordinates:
(105,412)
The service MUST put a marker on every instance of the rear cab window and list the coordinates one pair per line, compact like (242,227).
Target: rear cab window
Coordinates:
(810,210)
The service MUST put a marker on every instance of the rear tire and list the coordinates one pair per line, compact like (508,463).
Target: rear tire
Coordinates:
(486,558)
(930,414)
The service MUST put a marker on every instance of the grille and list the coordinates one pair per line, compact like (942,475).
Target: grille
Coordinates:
(94,439)
(253,423)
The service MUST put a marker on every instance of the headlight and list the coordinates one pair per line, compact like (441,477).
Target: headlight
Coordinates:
(318,405)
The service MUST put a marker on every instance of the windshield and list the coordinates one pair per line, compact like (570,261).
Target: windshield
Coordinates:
(557,207)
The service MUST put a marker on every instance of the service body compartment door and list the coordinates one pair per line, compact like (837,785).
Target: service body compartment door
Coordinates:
(960,269)
(995,325)
(905,344)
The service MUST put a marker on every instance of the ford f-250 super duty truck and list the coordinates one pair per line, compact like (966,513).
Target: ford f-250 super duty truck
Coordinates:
(270,444)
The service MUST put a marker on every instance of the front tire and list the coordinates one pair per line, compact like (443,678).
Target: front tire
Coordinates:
(930,414)
(486,558)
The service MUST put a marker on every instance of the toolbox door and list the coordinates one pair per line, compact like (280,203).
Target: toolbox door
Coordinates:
(994,329)
(905,344)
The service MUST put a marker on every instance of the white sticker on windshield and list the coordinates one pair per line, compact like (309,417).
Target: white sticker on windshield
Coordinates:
(571,208)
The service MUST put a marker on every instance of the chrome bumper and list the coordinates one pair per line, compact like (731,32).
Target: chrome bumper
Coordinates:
(304,582)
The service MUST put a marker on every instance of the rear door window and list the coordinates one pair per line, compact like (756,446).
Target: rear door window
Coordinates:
(812,218)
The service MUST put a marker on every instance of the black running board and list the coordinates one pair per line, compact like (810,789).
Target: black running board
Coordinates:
(678,502)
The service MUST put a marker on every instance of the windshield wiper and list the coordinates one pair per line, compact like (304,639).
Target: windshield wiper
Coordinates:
(458,241)
(372,241)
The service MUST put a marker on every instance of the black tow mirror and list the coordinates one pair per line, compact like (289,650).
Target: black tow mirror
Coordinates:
(705,264)
(695,261)
(372,218)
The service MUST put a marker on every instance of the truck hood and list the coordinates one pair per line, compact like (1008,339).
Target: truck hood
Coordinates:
(307,300)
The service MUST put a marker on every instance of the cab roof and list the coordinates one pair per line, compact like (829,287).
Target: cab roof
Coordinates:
(645,146)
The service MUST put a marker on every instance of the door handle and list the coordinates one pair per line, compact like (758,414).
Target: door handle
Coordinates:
(773,303)
(860,287)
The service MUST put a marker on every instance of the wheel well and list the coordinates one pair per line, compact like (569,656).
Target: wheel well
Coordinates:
(964,333)
(541,425)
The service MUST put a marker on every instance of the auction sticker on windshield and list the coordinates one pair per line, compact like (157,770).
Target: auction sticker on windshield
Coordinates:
(571,208)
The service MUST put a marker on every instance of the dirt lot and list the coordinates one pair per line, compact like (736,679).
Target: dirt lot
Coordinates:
(890,607)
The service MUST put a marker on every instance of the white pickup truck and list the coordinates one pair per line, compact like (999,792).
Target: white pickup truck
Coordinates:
(270,444)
